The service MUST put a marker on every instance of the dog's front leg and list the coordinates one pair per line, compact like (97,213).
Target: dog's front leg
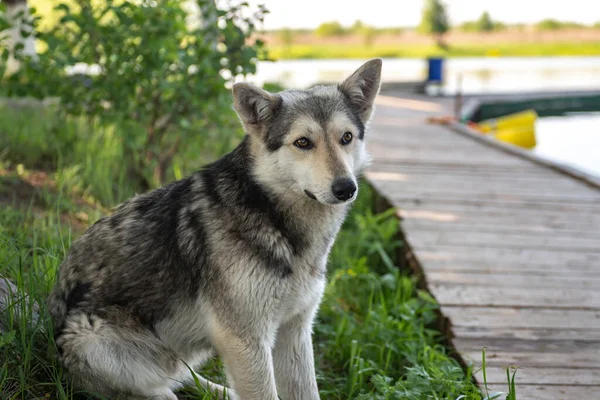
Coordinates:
(294,360)
(249,365)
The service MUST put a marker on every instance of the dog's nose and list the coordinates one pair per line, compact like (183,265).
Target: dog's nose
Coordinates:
(343,188)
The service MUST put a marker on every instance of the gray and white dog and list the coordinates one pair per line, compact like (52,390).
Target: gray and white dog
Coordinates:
(230,260)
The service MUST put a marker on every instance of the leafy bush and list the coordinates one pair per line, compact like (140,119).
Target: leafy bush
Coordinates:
(148,66)
(366,32)
(286,36)
(553,25)
(483,24)
(328,29)
(434,19)
(392,30)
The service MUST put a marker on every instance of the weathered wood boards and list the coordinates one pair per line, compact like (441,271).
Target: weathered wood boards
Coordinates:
(509,248)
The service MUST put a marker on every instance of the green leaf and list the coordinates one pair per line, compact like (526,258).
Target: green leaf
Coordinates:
(63,7)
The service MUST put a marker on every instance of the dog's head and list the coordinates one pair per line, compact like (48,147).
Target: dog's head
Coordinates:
(311,142)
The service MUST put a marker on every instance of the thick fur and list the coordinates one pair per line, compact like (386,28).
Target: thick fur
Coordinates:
(229,261)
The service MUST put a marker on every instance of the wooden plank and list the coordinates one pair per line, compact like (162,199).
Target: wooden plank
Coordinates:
(501,227)
(519,270)
(417,195)
(503,296)
(441,255)
(469,180)
(573,359)
(427,142)
(446,185)
(509,317)
(492,240)
(497,345)
(459,228)
(481,211)
(438,150)
(558,333)
(551,392)
(412,200)
(542,376)
(435,168)
(518,205)
(424,172)
(466,179)
(428,218)
(527,190)
(514,279)
(529,353)
(470,158)
(513,195)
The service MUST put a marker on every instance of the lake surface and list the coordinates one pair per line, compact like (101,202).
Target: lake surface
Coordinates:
(573,140)
(479,75)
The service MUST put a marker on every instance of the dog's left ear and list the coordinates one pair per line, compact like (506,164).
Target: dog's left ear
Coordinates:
(254,105)
(362,87)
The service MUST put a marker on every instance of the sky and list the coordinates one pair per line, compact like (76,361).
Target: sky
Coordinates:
(405,13)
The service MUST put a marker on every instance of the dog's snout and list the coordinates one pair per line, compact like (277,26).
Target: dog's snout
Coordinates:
(343,188)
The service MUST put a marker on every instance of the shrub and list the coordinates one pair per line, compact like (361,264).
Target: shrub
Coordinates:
(148,64)
(328,29)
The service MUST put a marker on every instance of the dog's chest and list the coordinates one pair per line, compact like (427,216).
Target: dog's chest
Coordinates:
(302,290)
(302,294)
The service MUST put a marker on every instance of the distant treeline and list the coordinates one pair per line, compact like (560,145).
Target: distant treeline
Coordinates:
(483,24)
(334,28)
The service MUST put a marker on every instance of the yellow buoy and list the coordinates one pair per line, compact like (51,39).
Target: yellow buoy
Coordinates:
(517,128)
(522,137)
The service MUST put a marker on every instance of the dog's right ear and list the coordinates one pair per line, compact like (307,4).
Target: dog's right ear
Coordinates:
(254,105)
(362,87)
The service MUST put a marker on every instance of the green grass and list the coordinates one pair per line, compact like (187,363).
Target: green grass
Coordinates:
(352,50)
(375,337)
(89,158)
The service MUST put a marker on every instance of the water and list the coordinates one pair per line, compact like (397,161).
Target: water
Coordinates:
(573,140)
(479,75)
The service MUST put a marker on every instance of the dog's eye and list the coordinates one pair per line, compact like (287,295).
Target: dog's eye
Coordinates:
(303,143)
(346,138)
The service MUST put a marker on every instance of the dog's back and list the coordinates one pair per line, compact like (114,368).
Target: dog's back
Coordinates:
(129,259)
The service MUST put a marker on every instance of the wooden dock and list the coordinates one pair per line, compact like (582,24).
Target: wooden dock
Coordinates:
(509,247)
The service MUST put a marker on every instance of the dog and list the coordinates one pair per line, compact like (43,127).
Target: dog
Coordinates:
(229,261)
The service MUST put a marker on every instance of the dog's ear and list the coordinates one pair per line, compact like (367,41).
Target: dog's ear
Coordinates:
(254,105)
(362,87)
